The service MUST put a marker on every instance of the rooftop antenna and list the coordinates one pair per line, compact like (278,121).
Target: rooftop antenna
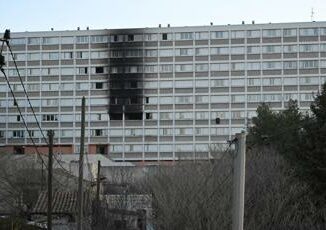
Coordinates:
(312,14)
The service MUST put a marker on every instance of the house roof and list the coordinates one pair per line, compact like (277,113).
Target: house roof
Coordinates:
(63,203)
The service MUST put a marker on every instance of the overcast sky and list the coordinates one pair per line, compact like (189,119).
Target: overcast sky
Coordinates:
(36,15)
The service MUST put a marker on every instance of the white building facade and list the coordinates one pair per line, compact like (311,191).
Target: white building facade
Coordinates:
(155,93)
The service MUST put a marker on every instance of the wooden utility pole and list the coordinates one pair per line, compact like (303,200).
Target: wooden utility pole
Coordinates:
(50,135)
(239,163)
(98,181)
(81,164)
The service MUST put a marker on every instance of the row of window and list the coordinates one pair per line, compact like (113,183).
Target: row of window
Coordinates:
(233,34)
(59,40)
(37,56)
(204,51)
(57,71)
(170,36)
(235,66)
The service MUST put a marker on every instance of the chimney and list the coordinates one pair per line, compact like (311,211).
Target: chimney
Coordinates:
(168,25)
(211,23)
(78,28)
(243,22)
(159,25)
(252,22)
(51,29)
(87,28)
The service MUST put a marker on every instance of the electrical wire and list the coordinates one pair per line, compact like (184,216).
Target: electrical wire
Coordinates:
(32,109)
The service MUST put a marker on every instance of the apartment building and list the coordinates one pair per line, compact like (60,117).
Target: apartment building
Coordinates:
(156,93)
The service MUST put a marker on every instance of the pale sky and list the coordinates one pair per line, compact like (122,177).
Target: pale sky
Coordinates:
(39,15)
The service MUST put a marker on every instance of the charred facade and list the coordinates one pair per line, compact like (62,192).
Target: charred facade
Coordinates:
(125,83)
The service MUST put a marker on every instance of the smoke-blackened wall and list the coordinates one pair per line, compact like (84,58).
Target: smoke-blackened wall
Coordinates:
(126,77)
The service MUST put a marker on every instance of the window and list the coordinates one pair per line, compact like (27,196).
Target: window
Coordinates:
(201,35)
(271,49)
(309,48)
(183,68)
(271,81)
(290,49)
(237,34)
(99,85)
(18,134)
(164,36)
(50,56)
(150,37)
(220,35)
(67,40)
(253,49)
(289,32)
(50,117)
(253,33)
(99,39)
(309,81)
(309,32)
(272,65)
(82,55)
(238,82)
(237,98)
(33,57)
(201,67)
(166,53)
(272,33)
(254,81)
(237,66)
(201,51)
(290,81)
(184,52)
(104,54)
(66,55)
(67,71)
(82,39)
(238,50)
(220,67)
(253,97)
(34,41)
(308,64)
(184,36)
(50,41)
(290,65)
(220,51)
(166,68)
(82,70)
(272,97)
(183,84)
(99,69)
(18,41)
(97,132)
(220,83)
(253,66)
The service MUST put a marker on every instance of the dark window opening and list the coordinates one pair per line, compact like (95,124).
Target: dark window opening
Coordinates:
(18,117)
(133,100)
(19,150)
(99,70)
(217,120)
(148,116)
(101,149)
(99,85)
(2,134)
(130,37)
(98,132)
(120,224)
(133,116)
(116,116)
(133,84)
(164,36)
(115,38)
(113,101)
(15,102)
(147,100)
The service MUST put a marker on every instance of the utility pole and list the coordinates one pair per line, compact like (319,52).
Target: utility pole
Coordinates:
(50,135)
(81,161)
(239,163)
(98,183)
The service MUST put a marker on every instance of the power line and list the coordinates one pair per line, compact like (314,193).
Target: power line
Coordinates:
(30,105)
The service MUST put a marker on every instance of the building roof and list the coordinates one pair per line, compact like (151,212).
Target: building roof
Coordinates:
(63,203)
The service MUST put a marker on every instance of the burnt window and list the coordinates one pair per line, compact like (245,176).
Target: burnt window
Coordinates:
(133,84)
(148,116)
(19,150)
(147,100)
(113,101)
(99,85)
(18,117)
(133,100)
(99,69)
(165,36)
(98,132)
(115,38)
(130,37)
